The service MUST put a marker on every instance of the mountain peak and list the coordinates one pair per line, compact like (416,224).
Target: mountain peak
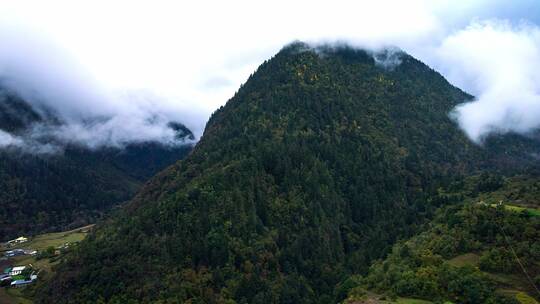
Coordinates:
(312,170)
(389,56)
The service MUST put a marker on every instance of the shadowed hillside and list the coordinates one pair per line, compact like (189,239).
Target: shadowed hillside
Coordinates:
(68,188)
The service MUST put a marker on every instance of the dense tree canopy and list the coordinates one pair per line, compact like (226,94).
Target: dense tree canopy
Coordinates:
(317,165)
(47,192)
(469,228)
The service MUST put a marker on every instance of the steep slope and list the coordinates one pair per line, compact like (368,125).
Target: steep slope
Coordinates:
(47,192)
(475,251)
(314,168)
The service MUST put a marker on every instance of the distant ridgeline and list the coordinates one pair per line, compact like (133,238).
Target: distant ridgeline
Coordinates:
(321,161)
(48,192)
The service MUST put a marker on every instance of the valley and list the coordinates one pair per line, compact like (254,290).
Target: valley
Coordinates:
(49,250)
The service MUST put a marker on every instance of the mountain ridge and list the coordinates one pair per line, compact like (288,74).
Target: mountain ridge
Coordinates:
(46,185)
(314,168)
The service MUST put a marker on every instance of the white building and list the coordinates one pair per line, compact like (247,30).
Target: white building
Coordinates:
(18,240)
(17,270)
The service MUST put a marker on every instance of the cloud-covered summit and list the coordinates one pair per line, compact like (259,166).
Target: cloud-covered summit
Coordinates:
(39,128)
(119,72)
(70,107)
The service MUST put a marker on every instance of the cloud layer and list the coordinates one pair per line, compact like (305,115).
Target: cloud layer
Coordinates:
(86,112)
(118,72)
(500,62)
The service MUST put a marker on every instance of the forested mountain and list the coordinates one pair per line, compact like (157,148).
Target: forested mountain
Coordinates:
(321,161)
(481,247)
(46,192)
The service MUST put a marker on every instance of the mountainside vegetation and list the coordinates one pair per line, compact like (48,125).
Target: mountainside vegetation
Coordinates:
(476,250)
(318,165)
(51,192)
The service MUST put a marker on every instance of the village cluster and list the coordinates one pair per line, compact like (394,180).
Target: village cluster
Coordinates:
(17,275)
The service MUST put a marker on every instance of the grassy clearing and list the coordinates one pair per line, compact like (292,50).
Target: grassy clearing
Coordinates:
(468,259)
(407,301)
(531,211)
(524,298)
(43,241)
(514,208)
(55,239)
(40,242)
(374,298)
(411,301)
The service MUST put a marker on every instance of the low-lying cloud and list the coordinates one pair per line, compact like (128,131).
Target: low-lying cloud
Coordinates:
(500,63)
(77,109)
(118,72)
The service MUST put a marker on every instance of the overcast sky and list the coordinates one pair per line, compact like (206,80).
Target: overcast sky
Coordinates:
(144,63)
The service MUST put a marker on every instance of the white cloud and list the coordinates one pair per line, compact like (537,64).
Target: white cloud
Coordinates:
(500,63)
(7,139)
(92,59)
